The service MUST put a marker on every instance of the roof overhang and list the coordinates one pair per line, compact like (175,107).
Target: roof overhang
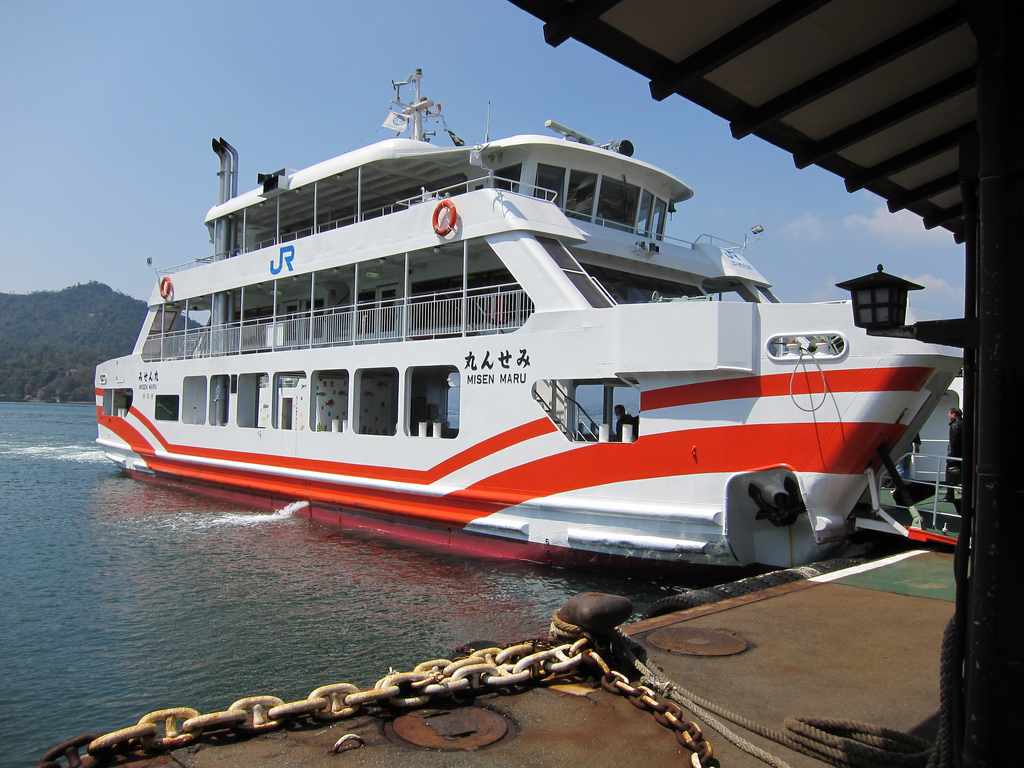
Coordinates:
(877,92)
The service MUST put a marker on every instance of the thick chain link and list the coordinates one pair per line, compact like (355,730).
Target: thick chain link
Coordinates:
(668,714)
(483,670)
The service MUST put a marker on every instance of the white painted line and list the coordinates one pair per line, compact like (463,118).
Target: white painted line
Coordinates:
(866,566)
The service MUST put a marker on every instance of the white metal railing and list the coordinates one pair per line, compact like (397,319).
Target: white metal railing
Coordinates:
(424,196)
(929,470)
(494,309)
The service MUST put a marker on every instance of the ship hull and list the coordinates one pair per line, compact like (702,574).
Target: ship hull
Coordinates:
(681,496)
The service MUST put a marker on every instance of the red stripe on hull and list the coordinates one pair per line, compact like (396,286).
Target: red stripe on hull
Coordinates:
(808,381)
(834,448)
(803,447)
(469,456)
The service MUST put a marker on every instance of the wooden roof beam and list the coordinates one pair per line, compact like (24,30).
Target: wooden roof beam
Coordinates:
(924,191)
(752,32)
(885,118)
(913,156)
(944,216)
(574,17)
(848,71)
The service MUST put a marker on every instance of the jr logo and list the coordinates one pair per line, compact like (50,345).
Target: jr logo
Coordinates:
(284,258)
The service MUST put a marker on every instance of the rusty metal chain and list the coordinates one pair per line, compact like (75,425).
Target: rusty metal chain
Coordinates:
(666,713)
(483,670)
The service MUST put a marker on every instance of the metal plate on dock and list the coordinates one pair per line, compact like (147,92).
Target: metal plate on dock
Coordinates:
(466,728)
(694,641)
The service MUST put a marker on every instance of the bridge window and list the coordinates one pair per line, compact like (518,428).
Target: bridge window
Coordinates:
(579,199)
(549,177)
(616,207)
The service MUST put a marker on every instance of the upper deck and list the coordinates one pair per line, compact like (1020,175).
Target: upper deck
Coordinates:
(590,184)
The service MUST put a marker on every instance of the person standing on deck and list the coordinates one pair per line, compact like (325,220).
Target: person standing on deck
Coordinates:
(953,468)
(621,418)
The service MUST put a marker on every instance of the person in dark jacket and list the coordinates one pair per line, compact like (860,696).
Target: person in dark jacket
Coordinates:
(953,468)
(621,418)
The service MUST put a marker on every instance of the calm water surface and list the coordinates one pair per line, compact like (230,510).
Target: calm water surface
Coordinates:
(118,598)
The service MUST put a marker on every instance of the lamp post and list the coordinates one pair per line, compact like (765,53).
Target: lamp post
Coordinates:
(880,308)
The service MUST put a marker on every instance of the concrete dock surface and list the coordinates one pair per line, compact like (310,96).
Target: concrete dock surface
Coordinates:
(861,645)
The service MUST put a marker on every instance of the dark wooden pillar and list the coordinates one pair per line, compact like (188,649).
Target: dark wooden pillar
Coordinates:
(994,628)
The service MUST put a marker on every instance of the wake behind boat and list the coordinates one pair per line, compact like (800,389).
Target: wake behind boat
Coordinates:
(499,349)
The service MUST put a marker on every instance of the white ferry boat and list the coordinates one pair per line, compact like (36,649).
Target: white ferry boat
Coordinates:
(433,341)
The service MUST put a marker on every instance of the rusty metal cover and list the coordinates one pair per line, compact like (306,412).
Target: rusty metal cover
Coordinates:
(694,641)
(465,728)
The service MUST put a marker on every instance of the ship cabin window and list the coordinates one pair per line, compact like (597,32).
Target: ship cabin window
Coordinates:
(616,205)
(291,395)
(433,402)
(584,409)
(166,408)
(164,320)
(630,288)
(330,409)
(220,396)
(652,217)
(193,400)
(620,205)
(579,198)
(509,177)
(376,401)
(550,177)
(253,401)
(116,402)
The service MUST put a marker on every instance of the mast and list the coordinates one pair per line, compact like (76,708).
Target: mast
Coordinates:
(417,109)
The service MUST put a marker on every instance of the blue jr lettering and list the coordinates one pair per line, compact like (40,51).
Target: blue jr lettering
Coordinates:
(284,258)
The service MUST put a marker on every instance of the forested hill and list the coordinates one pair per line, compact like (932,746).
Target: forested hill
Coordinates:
(51,341)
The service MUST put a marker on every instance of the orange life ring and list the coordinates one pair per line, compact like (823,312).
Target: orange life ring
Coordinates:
(444,229)
(166,287)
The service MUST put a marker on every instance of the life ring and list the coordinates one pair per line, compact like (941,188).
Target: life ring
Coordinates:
(444,229)
(166,287)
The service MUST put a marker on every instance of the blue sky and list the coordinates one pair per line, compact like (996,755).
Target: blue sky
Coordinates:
(108,109)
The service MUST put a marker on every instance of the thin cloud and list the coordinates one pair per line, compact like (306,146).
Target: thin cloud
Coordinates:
(902,227)
(939,297)
(807,228)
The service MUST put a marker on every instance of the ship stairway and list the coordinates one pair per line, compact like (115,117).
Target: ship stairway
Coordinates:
(565,412)
(921,507)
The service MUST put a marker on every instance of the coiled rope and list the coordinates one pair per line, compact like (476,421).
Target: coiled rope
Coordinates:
(843,743)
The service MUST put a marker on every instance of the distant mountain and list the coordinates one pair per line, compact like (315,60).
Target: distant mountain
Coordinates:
(51,341)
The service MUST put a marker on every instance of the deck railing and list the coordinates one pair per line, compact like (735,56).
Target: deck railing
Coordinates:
(494,309)
(927,478)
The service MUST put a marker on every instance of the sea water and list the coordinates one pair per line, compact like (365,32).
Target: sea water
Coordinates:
(119,597)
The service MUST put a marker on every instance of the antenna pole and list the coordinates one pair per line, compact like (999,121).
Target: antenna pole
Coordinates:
(417,112)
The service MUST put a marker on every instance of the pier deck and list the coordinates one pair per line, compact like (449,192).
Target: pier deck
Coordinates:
(861,646)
